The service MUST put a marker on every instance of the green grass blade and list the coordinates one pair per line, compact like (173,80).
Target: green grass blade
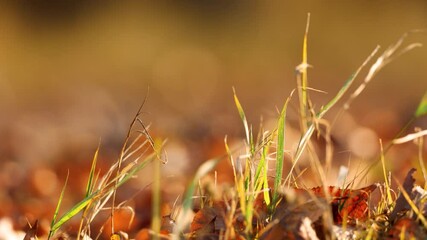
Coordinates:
(55,215)
(280,151)
(90,182)
(72,212)
(422,107)
(90,186)
(243,117)
(346,86)
(259,172)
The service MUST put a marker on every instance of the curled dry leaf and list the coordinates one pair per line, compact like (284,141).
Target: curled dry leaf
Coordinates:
(402,204)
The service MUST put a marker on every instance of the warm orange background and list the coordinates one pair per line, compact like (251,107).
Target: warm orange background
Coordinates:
(73,72)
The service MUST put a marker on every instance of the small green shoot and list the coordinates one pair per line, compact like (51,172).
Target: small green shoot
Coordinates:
(422,107)
(90,185)
(91,181)
(55,215)
(126,174)
(280,153)
(248,133)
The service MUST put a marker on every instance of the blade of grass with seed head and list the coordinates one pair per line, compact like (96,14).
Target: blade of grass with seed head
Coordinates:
(135,120)
(388,56)
(307,135)
(302,79)
(55,215)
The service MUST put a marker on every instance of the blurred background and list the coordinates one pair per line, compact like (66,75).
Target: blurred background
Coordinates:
(73,73)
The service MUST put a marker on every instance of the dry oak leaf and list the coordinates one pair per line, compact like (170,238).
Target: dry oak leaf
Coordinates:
(347,204)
